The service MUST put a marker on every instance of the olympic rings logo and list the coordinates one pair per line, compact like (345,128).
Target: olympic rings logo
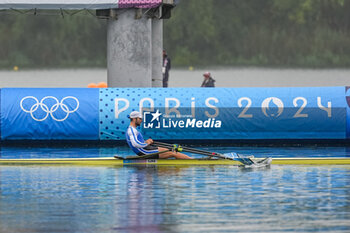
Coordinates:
(49,110)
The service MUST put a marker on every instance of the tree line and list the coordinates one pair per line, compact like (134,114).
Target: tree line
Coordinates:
(51,40)
(274,33)
(306,33)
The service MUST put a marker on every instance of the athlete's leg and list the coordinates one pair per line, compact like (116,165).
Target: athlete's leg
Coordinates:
(172,154)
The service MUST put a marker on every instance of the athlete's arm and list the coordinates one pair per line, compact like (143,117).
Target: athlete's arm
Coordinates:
(133,139)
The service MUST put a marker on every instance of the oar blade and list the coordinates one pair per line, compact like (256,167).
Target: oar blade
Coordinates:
(231,155)
(248,162)
(237,157)
(259,163)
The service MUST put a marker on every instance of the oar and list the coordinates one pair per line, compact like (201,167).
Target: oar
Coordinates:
(171,147)
(188,149)
(231,156)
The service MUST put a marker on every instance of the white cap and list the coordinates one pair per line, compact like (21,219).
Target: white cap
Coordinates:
(135,114)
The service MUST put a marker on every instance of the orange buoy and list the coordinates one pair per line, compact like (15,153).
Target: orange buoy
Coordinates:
(102,85)
(92,85)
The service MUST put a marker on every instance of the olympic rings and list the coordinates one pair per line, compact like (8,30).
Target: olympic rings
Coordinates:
(49,111)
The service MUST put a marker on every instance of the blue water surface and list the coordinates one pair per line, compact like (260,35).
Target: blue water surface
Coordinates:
(90,152)
(288,198)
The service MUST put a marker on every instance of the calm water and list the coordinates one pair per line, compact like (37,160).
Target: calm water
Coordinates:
(225,77)
(173,198)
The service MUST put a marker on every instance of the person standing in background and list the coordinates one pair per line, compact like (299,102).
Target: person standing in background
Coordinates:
(166,68)
(208,80)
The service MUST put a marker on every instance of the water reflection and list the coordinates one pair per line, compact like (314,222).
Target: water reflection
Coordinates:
(88,152)
(174,199)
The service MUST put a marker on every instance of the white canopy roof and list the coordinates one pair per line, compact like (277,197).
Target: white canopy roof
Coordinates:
(77,4)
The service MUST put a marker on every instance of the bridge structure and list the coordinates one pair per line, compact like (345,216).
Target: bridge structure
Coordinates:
(134,35)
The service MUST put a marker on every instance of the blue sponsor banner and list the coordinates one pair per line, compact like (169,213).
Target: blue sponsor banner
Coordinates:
(226,113)
(49,114)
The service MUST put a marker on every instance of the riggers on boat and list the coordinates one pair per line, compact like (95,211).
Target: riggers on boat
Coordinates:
(110,161)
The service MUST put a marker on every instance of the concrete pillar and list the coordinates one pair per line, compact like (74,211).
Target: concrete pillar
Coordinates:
(129,50)
(157,52)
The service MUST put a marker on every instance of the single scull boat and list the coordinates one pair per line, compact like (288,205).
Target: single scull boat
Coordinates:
(110,161)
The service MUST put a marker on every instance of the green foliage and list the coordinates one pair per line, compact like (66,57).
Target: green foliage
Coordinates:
(52,40)
(293,33)
(303,33)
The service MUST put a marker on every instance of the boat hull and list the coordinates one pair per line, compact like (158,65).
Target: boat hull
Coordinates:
(109,161)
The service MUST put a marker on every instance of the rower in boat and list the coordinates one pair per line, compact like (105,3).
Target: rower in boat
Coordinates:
(141,147)
(158,150)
